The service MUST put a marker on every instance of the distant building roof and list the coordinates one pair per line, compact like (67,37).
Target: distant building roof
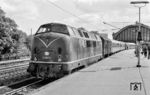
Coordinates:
(129,33)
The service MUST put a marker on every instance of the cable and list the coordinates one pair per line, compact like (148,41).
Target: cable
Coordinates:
(111,25)
(65,10)
(68,12)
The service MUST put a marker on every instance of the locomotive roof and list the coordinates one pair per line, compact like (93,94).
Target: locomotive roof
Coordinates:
(47,24)
(85,33)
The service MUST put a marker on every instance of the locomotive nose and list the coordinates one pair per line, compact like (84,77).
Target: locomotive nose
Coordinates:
(49,48)
(46,40)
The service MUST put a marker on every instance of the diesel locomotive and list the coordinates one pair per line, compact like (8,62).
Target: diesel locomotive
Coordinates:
(58,49)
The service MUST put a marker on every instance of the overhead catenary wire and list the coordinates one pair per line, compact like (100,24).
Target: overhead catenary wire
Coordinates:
(116,28)
(111,25)
(68,12)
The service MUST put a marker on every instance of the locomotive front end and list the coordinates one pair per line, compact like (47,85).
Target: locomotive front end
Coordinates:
(49,52)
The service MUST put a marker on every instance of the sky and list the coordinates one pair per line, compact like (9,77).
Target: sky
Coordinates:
(90,14)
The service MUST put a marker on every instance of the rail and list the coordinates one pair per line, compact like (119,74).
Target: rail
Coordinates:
(14,61)
(22,89)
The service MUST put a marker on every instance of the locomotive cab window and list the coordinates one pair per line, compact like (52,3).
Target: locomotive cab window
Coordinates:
(58,28)
(41,30)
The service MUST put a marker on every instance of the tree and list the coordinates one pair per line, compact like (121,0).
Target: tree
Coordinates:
(11,38)
(2,13)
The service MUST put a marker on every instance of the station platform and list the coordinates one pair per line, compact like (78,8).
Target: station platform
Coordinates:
(115,75)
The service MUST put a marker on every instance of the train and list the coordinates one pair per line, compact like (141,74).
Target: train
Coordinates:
(58,49)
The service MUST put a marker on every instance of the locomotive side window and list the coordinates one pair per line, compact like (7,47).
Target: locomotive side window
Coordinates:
(86,34)
(95,36)
(92,36)
(76,32)
(88,44)
(80,32)
(98,37)
(71,32)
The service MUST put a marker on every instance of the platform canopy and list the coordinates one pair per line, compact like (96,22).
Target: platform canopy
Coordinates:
(129,33)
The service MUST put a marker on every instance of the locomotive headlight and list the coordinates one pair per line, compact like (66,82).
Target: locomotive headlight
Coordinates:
(46,53)
(59,58)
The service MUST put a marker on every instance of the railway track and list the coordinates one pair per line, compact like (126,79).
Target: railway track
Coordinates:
(17,86)
(12,73)
(8,71)
(8,68)
(24,87)
(13,62)
(14,66)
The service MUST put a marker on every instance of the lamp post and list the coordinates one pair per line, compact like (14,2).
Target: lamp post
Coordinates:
(139,4)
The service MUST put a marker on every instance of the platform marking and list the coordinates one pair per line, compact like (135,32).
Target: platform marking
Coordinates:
(136,86)
(142,81)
